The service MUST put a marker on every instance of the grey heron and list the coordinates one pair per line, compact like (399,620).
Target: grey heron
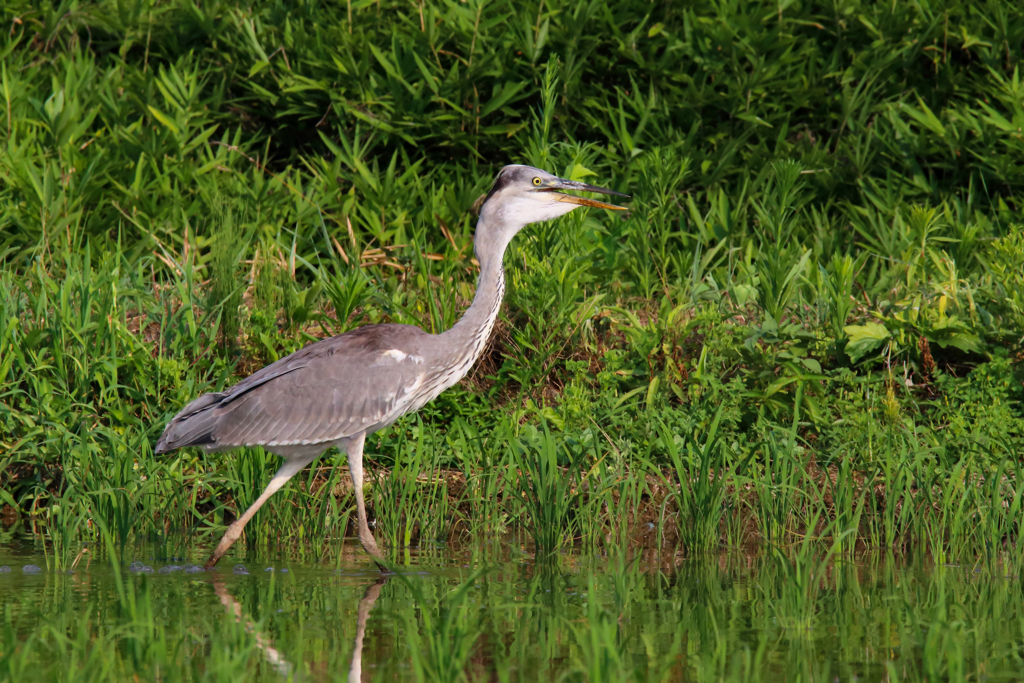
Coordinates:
(337,391)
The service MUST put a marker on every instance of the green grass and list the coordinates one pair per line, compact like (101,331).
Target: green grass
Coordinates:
(822,270)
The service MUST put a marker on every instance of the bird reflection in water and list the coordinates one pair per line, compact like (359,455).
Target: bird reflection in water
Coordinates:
(355,670)
(274,656)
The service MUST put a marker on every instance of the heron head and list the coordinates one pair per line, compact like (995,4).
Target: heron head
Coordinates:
(522,195)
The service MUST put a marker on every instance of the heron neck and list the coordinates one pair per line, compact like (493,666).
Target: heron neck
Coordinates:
(468,337)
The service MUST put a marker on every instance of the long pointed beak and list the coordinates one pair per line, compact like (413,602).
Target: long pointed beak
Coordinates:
(562,184)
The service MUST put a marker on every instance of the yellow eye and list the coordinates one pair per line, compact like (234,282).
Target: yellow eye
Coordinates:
(536,181)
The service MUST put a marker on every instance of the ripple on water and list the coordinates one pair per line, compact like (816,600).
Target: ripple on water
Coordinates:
(32,569)
(240,569)
(5,569)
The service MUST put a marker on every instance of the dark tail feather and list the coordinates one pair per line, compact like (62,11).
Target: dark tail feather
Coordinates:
(193,426)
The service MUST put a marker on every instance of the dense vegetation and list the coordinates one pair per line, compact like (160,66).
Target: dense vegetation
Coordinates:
(812,317)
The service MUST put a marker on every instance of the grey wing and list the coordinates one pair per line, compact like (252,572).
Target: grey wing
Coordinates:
(324,401)
(327,391)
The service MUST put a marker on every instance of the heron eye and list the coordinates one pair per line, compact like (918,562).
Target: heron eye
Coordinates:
(536,181)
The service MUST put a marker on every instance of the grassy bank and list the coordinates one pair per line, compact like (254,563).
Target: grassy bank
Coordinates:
(812,317)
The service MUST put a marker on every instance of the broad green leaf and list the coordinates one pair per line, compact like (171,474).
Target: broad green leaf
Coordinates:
(863,339)
(163,118)
(579,172)
(258,67)
(507,93)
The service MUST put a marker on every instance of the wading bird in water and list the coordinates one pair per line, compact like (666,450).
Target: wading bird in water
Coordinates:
(337,391)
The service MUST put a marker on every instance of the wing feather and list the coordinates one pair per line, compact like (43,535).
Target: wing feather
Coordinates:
(327,391)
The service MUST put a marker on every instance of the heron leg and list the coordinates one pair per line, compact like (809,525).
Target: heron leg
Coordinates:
(289,469)
(355,466)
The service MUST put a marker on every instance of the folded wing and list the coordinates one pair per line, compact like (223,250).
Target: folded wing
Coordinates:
(329,390)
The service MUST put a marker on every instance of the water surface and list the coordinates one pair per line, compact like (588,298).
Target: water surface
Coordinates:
(494,612)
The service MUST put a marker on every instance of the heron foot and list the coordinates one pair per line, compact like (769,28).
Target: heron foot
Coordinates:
(369,544)
(227,540)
